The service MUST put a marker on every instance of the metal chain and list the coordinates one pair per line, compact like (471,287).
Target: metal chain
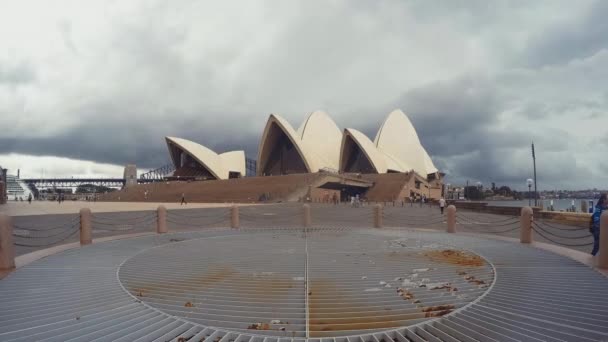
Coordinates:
(560,228)
(180,215)
(510,220)
(561,243)
(38,229)
(560,236)
(51,243)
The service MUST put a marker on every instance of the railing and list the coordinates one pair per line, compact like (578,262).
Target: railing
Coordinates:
(28,234)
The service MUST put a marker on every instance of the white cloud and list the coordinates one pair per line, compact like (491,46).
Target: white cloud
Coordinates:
(57,167)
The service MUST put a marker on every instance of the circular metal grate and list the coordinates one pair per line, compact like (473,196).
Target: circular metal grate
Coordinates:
(306,284)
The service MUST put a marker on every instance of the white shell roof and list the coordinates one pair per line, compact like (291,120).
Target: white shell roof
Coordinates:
(398,140)
(218,165)
(309,161)
(322,138)
(317,140)
(369,149)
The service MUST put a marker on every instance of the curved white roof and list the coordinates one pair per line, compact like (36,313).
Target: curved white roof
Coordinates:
(375,158)
(320,144)
(317,141)
(218,165)
(322,138)
(397,139)
(287,129)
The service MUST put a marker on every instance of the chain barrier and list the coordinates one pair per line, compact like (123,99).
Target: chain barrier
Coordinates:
(223,220)
(179,214)
(120,223)
(283,216)
(560,236)
(561,243)
(71,222)
(427,220)
(469,223)
(513,227)
(114,220)
(545,223)
(509,219)
(71,230)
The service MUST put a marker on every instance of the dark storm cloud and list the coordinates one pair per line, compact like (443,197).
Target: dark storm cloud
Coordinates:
(452,117)
(459,123)
(571,39)
(542,111)
(111,133)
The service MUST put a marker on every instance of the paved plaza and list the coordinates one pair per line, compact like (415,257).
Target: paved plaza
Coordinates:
(272,280)
(321,284)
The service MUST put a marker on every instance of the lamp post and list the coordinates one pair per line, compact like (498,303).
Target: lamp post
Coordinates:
(529,181)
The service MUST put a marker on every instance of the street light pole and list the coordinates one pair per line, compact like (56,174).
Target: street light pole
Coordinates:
(534,163)
(529,181)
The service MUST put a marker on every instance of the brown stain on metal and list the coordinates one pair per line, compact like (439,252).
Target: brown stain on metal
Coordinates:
(454,257)
(265,286)
(328,317)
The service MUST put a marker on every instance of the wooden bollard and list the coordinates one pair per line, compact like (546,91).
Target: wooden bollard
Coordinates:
(7,250)
(86,234)
(306,219)
(161,220)
(378,216)
(525,232)
(451,218)
(602,261)
(234,217)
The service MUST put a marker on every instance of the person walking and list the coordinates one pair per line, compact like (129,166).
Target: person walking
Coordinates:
(602,204)
(441,204)
(29,199)
(184,199)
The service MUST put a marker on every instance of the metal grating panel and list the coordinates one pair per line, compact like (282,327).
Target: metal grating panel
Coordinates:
(78,295)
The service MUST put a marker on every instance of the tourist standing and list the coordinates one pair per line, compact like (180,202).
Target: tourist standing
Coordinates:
(29,199)
(184,199)
(441,204)
(602,204)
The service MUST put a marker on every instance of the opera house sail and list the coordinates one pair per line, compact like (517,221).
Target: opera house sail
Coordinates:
(317,145)
(192,160)
(313,147)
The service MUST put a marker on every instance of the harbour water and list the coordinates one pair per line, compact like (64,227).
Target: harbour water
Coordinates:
(558,204)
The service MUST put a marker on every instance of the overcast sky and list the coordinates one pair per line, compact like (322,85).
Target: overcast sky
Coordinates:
(86,86)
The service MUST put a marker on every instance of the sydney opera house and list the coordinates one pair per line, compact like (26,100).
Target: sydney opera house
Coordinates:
(316,161)
(317,145)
